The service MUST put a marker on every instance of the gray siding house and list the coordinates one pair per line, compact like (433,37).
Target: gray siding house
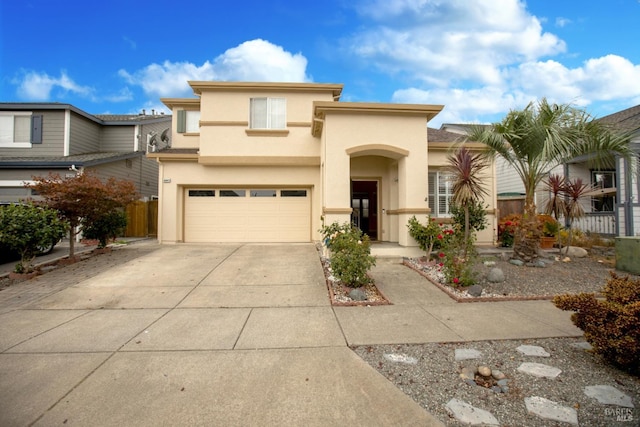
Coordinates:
(39,138)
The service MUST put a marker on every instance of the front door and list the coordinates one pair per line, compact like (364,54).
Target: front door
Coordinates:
(364,201)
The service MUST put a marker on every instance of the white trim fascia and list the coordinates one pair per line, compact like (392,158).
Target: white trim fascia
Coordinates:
(67,132)
(15,183)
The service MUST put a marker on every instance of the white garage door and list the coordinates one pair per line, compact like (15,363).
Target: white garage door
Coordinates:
(247,215)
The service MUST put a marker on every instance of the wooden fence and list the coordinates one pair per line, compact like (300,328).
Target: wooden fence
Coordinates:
(142,219)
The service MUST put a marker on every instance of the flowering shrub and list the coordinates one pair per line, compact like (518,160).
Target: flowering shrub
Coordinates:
(350,253)
(432,236)
(458,269)
(507,228)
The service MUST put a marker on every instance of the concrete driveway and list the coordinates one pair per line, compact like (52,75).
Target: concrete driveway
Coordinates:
(193,335)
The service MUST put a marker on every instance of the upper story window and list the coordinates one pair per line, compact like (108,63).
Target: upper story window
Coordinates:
(188,121)
(268,113)
(440,193)
(20,129)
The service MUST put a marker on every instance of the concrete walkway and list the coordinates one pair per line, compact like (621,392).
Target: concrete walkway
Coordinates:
(225,335)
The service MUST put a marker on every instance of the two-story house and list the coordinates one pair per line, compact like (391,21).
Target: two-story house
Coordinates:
(272,162)
(39,138)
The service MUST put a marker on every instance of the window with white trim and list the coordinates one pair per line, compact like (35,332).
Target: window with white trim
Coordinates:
(16,129)
(268,113)
(440,193)
(606,182)
(188,121)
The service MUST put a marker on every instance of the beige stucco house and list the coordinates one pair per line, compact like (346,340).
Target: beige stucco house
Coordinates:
(269,162)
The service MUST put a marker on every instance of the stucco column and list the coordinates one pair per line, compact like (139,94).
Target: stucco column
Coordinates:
(412,192)
(337,187)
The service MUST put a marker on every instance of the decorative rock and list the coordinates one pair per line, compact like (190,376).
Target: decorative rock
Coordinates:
(516,262)
(540,264)
(401,358)
(468,414)
(574,252)
(550,410)
(497,375)
(503,382)
(583,345)
(475,290)
(470,382)
(495,275)
(505,388)
(496,389)
(468,373)
(533,350)
(485,371)
(539,370)
(467,353)
(358,295)
(608,395)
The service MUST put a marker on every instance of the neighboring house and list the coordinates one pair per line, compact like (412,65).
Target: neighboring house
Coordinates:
(39,138)
(612,208)
(273,162)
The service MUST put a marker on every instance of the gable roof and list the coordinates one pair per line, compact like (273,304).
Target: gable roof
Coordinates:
(440,135)
(628,120)
(103,119)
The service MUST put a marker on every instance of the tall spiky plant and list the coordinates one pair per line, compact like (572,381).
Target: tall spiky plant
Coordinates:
(574,191)
(467,186)
(535,140)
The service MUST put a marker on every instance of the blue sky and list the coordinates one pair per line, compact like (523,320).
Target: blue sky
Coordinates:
(480,58)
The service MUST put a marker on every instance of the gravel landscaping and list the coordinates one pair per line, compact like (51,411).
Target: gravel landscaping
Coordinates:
(431,375)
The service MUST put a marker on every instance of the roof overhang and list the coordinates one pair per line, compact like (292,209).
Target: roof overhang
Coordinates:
(322,108)
(201,86)
(80,160)
(186,103)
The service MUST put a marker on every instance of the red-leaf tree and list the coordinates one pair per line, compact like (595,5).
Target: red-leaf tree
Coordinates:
(83,197)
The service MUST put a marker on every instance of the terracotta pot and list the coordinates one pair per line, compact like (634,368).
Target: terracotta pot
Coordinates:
(547,242)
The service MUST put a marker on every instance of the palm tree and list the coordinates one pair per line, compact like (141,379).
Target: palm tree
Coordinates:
(535,140)
(467,185)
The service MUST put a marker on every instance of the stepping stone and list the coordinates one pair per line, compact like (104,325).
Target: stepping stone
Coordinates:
(583,345)
(533,350)
(401,358)
(467,353)
(539,370)
(469,415)
(550,410)
(608,395)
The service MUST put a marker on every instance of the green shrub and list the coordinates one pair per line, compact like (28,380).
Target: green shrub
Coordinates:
(350,253)
(477,215)
(105,227)
(27,229)
(612,325)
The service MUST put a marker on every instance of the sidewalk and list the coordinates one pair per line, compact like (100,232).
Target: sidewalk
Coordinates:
(225,335)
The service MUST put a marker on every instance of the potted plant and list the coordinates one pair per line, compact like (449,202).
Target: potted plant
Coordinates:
(550,229)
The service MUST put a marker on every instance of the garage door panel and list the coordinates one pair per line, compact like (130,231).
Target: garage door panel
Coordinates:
(248,219)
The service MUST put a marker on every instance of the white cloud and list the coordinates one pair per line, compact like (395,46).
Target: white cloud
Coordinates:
(601,79)
(34,86)
(439,42)
(598,79)
(464,105)
(562,22)
(254,60)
